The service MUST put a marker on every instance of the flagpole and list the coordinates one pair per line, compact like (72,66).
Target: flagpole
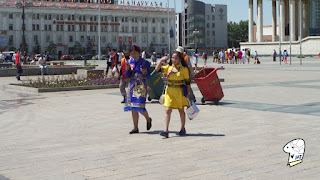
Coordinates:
(99,32)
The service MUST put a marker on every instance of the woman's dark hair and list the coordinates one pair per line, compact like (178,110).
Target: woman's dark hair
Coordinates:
(135,48)
(183,62)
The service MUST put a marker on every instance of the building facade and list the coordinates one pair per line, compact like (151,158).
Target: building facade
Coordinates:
(286,26)
(203,26)
(73,27)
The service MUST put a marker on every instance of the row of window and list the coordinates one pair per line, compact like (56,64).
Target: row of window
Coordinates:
(92,18)
(103,39)
(93,28)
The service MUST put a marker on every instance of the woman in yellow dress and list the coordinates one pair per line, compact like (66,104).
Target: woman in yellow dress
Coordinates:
(175,97)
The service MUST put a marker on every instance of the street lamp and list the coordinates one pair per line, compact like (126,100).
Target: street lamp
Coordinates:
(23,5)
(195,32)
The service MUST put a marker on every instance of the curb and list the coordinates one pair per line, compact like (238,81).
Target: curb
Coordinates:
(43,90)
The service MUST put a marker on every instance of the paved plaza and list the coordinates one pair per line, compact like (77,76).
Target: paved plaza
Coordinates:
(81,135)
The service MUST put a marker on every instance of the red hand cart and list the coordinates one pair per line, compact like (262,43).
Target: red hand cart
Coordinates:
(209,85)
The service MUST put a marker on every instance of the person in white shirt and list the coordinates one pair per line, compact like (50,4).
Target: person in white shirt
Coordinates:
(2,57)
(43,66)
(143,54)
(244,56)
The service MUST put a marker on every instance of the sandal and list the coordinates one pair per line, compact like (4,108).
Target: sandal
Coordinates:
(134,131)
(149,125)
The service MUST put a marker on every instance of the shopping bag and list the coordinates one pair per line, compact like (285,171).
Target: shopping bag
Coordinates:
(192,110)
(162,99)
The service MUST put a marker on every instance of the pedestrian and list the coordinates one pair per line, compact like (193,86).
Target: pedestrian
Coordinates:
(195,55)
(138,70)
(154,58)
(255,55)
(115,61)
(144,54)
(43,65)
(244,56)
(109,62)
(248,56)
(240,56)
(124,81)
(175,97)
(1,57)
(274,55)
(222,56)
(236,55)
(205,57)
(226,56)
(18,64)
(216,56)
(285,56)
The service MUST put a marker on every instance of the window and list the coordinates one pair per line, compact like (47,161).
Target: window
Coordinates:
(80,18)
(162,20)
(208,33)
(73,28)
(38,16)
(213,33)
(73,17)
(208,17)
(91,28)
(95,28)
(135,19)
(59,38)
(153,30)
(57,17)
(208,25)
(114,38)
(33,27)
(57,27)
(163,40)
(162,30)
(49,17)
(10,16)
(11,27)
(103,38)
(213,25)
(132,29)
(48,38)
(95,18)
(134,39)
(82,38)
(45,27)
(50,28)
(69,17)
(11,39)
(45,17)
(136,29)
(35,38)
(70,38)
(153,20)
(69,28)
(38,27)
(61,17)
(84,18)
(61,27)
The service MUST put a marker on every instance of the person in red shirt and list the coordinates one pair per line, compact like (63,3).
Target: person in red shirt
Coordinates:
(115,60)
(124,81)
(18,65)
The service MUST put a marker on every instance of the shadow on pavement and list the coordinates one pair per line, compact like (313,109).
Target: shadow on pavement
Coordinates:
(188,134)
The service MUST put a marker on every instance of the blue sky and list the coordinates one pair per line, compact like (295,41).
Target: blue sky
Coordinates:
(237,9)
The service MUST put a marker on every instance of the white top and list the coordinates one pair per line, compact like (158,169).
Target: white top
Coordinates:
(42,61)
(144,55)
(1,56)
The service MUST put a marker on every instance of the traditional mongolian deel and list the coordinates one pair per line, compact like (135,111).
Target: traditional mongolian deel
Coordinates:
(137,91)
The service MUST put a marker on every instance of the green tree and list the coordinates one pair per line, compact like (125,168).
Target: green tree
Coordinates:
(51,49)
(237,32)
(77,48)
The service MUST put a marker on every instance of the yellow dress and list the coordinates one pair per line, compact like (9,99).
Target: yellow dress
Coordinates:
(174,97)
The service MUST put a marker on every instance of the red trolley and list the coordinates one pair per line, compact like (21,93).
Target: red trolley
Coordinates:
(209,85)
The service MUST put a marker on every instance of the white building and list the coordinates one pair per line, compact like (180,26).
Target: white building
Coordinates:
(285,26)
(208,21)
(67,23)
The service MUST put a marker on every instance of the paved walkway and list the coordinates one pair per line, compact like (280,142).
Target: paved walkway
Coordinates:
(84,134)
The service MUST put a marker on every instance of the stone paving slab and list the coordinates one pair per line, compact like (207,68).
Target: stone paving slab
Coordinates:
(84,134)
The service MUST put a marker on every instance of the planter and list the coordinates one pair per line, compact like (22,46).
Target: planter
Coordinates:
(90,73)
(58,89)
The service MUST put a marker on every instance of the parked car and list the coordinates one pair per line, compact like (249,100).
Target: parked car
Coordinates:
(87,57)
(66,57)
(104,57)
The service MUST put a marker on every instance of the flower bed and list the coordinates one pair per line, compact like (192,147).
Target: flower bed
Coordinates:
(68,81)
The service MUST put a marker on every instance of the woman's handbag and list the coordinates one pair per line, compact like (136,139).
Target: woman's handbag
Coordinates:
(162,97)
(192,110)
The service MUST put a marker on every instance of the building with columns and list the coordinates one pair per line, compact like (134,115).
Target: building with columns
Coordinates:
(67,24)
(285,26)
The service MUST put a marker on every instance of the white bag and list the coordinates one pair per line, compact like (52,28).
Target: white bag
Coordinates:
(192,110)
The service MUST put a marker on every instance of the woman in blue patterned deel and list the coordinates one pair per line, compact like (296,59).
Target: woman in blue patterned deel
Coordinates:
(138,70)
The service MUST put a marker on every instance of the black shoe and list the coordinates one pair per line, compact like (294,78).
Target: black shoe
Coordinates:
(124,100)
(134,131)
(149,125)
(165,134)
